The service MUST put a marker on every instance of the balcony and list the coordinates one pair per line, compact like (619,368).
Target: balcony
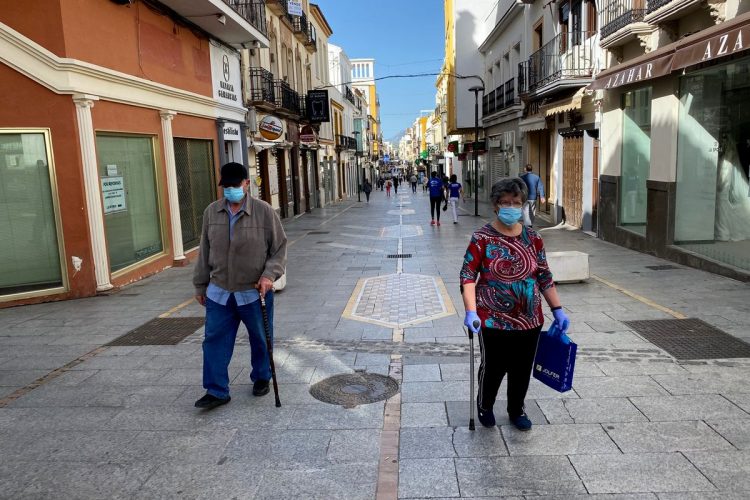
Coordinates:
(278,7)
(301,27)
(349,95)
(501,99)
(622,21)
(312,38)
(287,100)
(243,21)
(346,143)
(660,11)
(261,88)
(565,61)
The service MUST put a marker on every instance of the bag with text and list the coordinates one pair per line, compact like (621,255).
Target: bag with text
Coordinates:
(555,360)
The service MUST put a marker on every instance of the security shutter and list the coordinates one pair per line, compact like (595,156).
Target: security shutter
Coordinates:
(194,161)
(498,166)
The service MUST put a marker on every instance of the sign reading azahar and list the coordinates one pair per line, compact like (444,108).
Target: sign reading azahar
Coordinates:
(271,128)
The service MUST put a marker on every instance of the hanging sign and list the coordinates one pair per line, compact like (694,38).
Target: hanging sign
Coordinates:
(307,135)
(294,7)
(226,76)
(317,106)
(271,128)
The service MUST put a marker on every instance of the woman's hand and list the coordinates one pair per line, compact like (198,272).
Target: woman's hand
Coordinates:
(561,321)
(470,319)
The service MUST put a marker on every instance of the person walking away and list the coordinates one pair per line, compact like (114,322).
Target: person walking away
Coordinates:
(388,188)
(503,278)
(367,188)
(455,191)
(425,183)
(413,181)
(536,191)
(437,194)
(242,252)
(395,184)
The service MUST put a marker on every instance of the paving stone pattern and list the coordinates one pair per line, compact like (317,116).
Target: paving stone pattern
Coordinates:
(637,424)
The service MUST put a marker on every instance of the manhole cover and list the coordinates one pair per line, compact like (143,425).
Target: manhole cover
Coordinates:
(354,389)
(690,338)
(160,331)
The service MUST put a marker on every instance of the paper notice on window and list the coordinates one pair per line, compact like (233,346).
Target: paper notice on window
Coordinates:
(111,170)
(113,194)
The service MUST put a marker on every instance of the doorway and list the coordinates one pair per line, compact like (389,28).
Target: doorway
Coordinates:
(573,179)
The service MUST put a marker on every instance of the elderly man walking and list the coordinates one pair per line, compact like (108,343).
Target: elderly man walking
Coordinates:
(536,192)
(242,252)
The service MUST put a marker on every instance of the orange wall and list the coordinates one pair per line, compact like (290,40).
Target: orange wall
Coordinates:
(132,39)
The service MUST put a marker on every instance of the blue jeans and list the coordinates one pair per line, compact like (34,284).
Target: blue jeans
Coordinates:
(222,323)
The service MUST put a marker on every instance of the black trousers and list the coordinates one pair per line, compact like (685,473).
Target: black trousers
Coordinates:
(511,352)
(435,206)
(413,187)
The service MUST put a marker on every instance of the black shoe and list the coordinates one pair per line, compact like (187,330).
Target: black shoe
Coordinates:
(486,417)
(260,388)
(209,402)
(521,422)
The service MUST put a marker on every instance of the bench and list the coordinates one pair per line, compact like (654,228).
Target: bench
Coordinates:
(569,267)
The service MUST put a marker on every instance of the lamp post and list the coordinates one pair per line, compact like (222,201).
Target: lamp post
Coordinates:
(476,89)
(356,162)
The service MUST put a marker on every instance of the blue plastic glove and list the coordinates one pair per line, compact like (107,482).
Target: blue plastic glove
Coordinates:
(554,331)
(561,321)
(471,317)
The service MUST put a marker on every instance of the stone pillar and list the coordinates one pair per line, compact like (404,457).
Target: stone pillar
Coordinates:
(178,252)
(92,186)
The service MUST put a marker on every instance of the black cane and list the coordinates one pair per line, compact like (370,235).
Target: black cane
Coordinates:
(269,346)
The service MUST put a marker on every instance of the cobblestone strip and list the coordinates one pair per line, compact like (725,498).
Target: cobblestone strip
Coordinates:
(387,488)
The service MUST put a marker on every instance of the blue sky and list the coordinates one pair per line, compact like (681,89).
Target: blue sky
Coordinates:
(404,36)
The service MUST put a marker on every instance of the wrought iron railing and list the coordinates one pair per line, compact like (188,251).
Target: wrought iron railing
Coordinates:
(491,103)
(312,36)
(510,93)
(286,98)
(566,56)
(617,14)
(300,25)
(349,95)
(278,5)
(254,12)
(346,142)
(654,5)
(261,86)
(502,97)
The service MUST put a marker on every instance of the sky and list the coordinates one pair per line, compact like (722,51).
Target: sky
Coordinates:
(404,37)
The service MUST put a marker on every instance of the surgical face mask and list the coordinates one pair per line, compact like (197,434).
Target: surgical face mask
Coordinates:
(509,215)
(234,194)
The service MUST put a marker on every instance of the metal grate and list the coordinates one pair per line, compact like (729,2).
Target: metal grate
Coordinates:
(664,267)
(399,256)
(160,331)
(196,186)
(691,338)
(353,389)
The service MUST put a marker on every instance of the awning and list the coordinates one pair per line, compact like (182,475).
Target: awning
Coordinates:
(713,43)
(261,145)
(532,124)
(563,105)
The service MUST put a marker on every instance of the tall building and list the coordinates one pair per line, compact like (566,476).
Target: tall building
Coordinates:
(343,105)
(363,78)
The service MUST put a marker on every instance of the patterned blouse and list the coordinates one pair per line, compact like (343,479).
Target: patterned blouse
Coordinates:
(512,271)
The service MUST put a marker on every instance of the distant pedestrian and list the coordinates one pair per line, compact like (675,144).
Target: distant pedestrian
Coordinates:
(413,181)
(425,183)
(536,191)
(367,188)
(395,184)
(388,185)
(503,278)
(242,252)
(455,191)
(437,194)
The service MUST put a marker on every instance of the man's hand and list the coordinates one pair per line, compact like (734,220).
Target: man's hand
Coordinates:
(201,300)
(543,200)
(264,285)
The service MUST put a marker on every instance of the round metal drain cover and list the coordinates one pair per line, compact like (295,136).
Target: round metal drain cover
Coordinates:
(354,389)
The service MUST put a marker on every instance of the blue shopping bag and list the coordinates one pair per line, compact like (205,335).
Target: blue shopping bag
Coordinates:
(555,360)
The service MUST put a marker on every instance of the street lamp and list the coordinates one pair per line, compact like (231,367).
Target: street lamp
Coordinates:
(356,162)
(476,89)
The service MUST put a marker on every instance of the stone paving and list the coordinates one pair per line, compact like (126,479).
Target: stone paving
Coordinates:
(120,422)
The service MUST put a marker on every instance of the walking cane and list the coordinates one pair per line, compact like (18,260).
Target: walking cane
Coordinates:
(269,346)
(471,376)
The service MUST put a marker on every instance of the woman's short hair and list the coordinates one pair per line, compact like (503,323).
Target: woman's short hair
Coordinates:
(511,185)
(454,178)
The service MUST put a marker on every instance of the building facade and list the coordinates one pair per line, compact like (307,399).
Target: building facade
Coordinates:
(123,128)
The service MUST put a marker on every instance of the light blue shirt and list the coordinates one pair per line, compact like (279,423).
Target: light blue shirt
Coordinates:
(218,294)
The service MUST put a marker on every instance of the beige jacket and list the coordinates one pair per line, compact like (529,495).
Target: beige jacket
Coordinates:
(257,248)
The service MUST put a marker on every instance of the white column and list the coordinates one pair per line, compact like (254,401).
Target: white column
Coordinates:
(94,208)
(174,203)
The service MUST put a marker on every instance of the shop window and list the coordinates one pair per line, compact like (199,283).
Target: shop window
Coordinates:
(712,215)
(196,185)
(132,219)
(29,242)
(636,159)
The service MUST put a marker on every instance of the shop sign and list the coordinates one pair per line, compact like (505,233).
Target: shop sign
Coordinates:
(226,76)
(317,106)
(271,128)
(113,194)
(307,135)
(294,7)
(721,45)
(645,71)
(231,132)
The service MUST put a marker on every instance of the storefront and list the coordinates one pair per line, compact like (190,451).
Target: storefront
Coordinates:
(677,183)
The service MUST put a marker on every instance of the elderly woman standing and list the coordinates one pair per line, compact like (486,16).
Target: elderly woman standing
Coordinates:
(503,277)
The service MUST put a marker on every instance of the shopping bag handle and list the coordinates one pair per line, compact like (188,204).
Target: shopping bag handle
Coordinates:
(554,331)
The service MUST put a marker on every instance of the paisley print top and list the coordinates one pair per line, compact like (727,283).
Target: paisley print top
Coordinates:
(512,271)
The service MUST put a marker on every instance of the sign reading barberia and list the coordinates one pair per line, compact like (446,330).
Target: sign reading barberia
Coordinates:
(720,45)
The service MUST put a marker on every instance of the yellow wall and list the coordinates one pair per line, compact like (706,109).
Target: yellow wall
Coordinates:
(423,133)
(449,64)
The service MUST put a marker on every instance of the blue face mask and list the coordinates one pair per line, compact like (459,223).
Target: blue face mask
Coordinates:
(509,215)
(234,194)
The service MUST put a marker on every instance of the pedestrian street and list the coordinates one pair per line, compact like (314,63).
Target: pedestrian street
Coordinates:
(372,292)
